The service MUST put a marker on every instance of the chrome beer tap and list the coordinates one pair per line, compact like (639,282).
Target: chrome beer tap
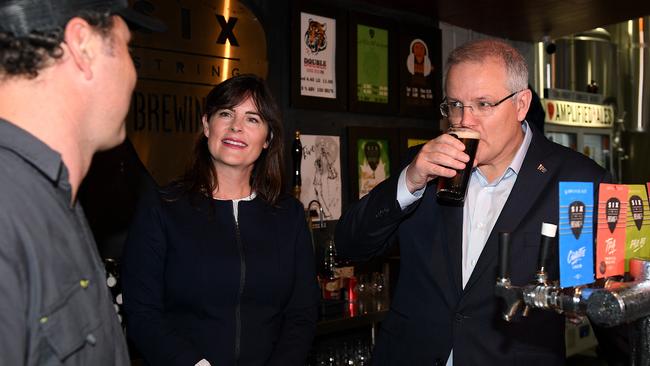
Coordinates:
(512,295)
(611,304)
(626,303)
(539,293)
(319,213)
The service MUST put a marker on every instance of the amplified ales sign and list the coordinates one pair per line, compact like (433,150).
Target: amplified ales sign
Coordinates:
(561,112)
(206,42)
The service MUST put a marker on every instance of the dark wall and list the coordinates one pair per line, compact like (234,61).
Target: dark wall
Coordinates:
(275,17)
(117,178)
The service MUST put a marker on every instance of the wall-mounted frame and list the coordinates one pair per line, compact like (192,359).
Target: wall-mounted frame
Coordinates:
(372,157)
(321,174)
(420,71)
(318,57)
(409,137)
(372,73)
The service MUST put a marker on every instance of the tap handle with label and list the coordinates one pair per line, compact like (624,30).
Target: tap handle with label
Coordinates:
(548,235)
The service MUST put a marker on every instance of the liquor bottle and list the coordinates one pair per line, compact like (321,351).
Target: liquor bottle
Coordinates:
(330,281)
(296,154)
(345,273)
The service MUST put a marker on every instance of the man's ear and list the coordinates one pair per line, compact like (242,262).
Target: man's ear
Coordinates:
(523,103)
(81,42)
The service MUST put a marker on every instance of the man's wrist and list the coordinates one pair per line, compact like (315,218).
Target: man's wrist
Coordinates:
(404,195)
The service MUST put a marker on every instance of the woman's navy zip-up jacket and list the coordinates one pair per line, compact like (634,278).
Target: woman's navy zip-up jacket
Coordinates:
(199,284)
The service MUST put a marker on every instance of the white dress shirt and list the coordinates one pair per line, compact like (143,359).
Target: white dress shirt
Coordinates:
(483,204)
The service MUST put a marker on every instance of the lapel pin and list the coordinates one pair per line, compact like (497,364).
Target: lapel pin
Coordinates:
(541,168)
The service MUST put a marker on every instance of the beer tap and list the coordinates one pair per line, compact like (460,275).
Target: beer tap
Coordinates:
(626,303)
(512,295)
(540,285)
(548,234)
(622,302)
(310,220)
(541,293)
(613,304)
(319,212)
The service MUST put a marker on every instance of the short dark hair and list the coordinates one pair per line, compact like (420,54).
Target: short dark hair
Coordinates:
(267,180)
(27,55)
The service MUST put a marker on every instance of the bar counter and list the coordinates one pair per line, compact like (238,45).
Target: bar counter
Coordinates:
(343,315)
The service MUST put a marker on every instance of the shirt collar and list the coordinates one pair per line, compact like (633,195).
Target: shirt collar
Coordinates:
(32,150)
(247,198)
(517,161)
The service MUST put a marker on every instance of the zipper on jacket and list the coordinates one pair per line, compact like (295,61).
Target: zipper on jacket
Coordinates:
(242,281)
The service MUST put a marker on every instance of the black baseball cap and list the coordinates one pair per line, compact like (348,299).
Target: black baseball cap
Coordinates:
(21,17)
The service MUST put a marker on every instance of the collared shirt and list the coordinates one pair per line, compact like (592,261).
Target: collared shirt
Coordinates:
(55,307)
(483,204)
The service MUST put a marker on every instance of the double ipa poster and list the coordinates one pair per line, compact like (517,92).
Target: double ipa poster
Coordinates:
(318,56)
(638,226)
(576,233)
(610,242)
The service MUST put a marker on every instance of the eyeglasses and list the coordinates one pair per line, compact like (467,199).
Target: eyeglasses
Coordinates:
(454,109)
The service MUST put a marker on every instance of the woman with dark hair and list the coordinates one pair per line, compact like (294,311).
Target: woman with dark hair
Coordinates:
(219,270)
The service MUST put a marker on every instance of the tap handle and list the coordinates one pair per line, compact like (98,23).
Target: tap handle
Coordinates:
(548,235)
(504,255)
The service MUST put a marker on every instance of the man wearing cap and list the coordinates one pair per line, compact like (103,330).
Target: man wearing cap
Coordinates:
(66,80)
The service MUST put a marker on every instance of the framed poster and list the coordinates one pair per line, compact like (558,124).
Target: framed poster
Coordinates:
(409,137)
(373,157)
(321,173)
(373,80)
(420,72)
(318,58)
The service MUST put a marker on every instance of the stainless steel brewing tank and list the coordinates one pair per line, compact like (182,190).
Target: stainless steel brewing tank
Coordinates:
(633,38)
(584,58)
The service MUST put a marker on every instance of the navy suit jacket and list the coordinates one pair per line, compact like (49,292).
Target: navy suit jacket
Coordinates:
(430,312)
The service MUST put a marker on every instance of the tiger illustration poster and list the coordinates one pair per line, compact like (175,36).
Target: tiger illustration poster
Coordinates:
(318,56)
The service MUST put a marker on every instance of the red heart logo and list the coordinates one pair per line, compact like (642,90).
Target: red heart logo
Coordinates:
(550,109)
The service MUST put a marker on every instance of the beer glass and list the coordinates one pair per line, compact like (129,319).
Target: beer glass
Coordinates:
(453,189)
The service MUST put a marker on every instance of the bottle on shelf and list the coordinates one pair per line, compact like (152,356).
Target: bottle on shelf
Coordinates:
(330,280)
(345,272)
(296,155)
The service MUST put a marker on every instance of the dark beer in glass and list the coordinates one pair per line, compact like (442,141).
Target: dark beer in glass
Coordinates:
(453,189)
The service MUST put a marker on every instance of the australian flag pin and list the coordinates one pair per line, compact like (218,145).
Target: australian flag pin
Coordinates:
(541,168)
